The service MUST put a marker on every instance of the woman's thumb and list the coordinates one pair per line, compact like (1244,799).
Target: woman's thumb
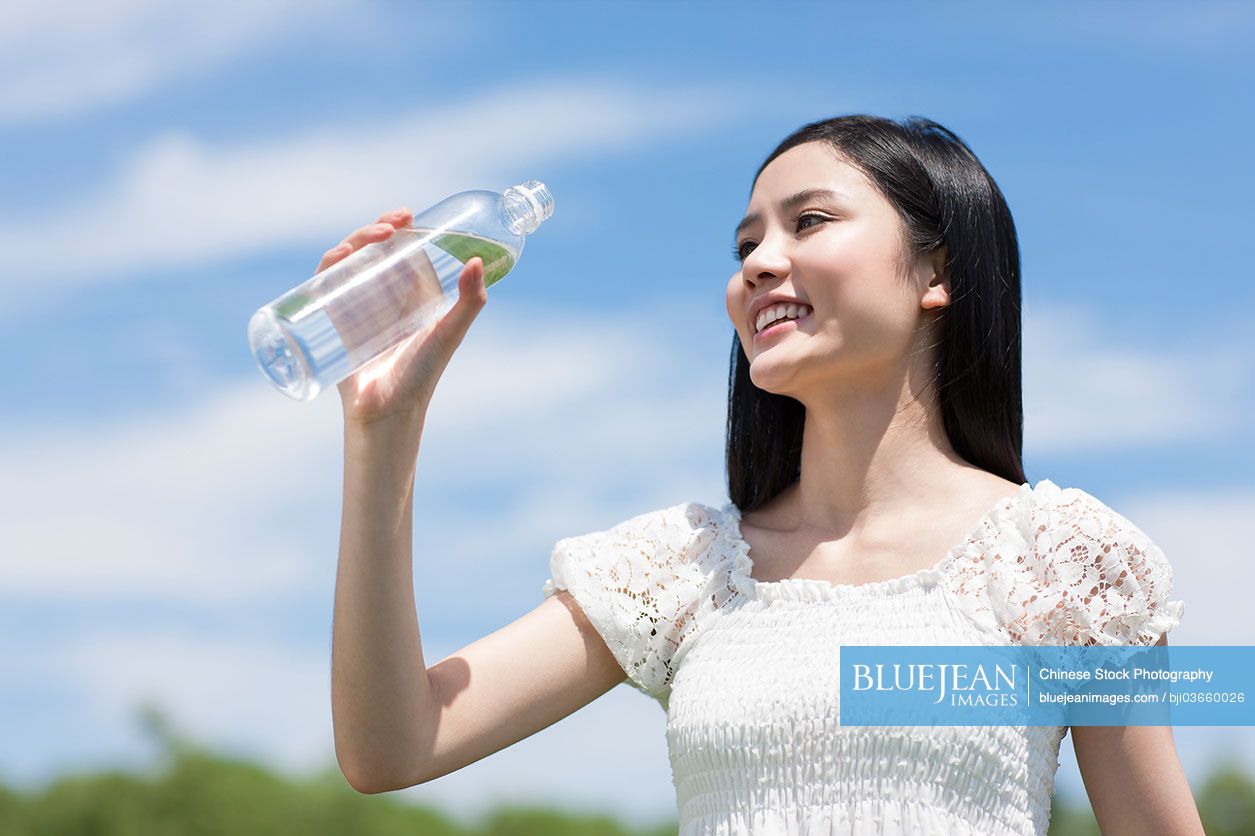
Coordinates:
(472,296)
(471,283)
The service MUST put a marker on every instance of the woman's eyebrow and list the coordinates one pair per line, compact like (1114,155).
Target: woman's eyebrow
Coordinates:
(789,203)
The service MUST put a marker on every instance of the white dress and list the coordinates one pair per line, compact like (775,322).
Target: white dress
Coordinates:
(747,671)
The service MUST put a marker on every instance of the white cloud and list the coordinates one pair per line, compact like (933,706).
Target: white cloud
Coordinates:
(181,201)
(1204,535)
(236,497)
(135,511)
(240,691)
(1089,388)
(64,57)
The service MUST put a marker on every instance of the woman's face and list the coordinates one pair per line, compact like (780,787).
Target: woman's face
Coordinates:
(840,254)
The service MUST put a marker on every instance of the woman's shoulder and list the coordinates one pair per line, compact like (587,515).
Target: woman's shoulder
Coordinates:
(1072,526)
(678,532)
(648,584)
(1061,566)
(1041,515)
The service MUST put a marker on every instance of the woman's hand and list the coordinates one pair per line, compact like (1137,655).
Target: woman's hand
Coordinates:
(399,383)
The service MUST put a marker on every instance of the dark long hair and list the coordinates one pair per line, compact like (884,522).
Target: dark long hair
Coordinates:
(944,196)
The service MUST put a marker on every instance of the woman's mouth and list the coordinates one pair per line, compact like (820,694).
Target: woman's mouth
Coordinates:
(781,327)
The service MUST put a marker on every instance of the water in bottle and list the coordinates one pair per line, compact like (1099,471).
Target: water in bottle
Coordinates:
(322,331)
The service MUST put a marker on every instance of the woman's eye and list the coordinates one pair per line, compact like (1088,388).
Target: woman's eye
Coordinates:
(738,250)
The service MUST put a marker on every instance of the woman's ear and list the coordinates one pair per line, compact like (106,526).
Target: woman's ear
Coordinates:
(937,293)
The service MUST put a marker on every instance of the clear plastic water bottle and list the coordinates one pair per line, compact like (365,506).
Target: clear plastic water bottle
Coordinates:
(320,332)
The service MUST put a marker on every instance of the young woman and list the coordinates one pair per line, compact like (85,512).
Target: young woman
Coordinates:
(877,497)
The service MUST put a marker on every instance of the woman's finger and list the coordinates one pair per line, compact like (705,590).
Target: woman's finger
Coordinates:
(398,217)
(356,239)
(381,230)
(368,234)
(333,255)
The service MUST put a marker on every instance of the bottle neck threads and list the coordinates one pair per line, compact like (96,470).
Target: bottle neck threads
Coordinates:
(526,206)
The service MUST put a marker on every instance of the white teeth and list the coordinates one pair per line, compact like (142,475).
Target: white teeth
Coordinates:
(769,315)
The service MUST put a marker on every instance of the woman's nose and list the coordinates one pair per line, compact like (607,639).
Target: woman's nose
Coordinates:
(763,264)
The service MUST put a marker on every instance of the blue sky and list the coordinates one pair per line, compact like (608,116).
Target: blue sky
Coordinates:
(171,522)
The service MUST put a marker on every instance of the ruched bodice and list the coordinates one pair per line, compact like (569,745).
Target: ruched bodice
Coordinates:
(748,671)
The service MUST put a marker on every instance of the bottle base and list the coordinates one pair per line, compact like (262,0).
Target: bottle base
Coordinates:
(276,355)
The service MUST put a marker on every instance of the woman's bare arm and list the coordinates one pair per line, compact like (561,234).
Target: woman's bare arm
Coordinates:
(514,682)
(1135,781)
(397,722)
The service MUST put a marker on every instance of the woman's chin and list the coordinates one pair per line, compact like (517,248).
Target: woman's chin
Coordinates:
(772,371)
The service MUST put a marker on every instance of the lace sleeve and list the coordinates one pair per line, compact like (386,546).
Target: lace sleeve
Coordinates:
(643,586)
(1095,577)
